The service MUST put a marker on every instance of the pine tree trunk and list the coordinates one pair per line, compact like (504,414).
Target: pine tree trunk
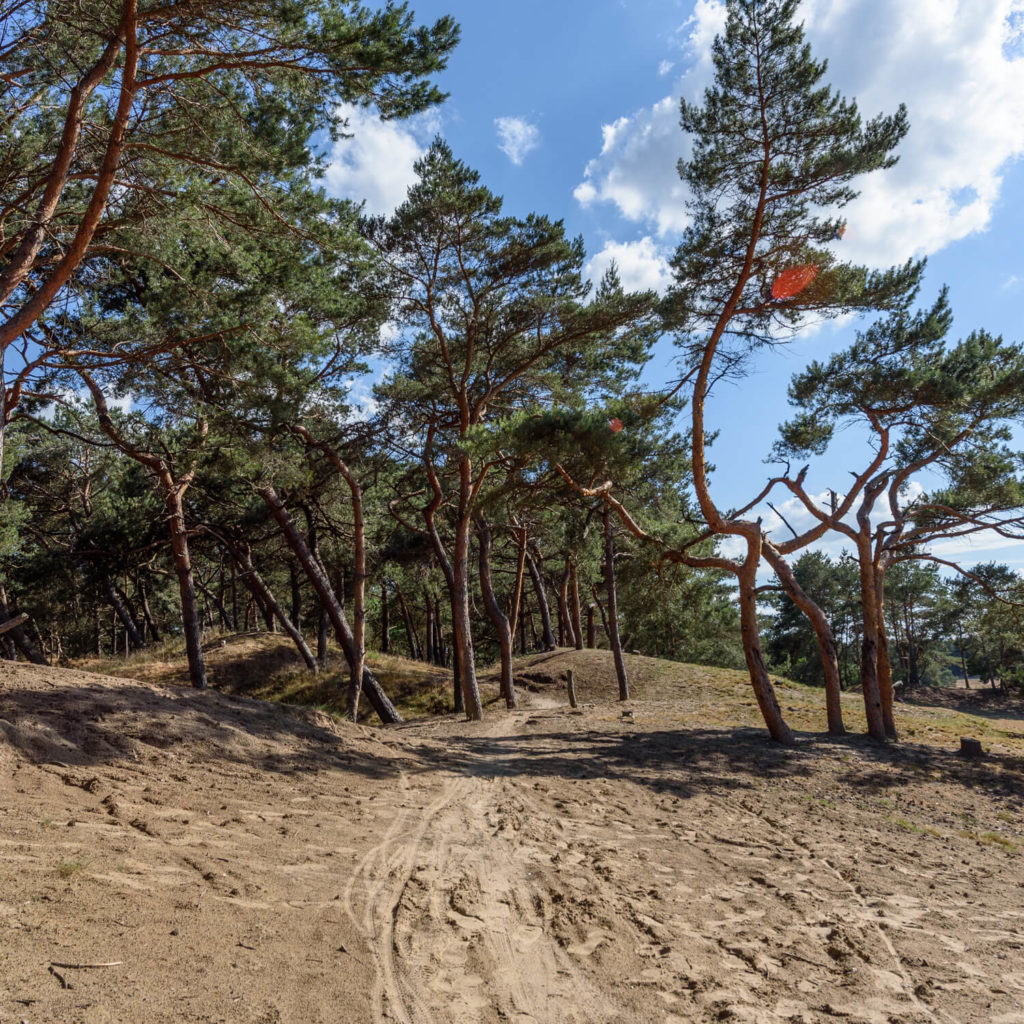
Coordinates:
(147,615)
(314,570)
(138,642)
(869,644)
(449,578)
(540,591)
(764,692)
(591,626)
(252,579)
(385,620)
(963,656)
(136,619)
(186,584)
(499,620)
(822,632)
(430,654)
(322,627)
(410,630)
(440,647)
(565,634)
(462,625)
(575,612)
(886,692)
(29,651)
(613,604)
(517,592)
(293,578)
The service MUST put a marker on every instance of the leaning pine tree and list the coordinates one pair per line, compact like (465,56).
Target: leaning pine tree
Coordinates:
(772,149)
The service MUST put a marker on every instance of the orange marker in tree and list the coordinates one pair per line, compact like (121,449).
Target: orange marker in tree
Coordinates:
(794,280)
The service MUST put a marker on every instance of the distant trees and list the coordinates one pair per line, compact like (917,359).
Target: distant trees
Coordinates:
(939,629)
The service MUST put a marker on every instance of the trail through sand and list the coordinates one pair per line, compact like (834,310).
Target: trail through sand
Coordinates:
(246,863)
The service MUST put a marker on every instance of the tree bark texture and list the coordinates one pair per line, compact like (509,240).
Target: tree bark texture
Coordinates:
(764,692)
(462,625)
(869,643)
(186,586)
(886,691)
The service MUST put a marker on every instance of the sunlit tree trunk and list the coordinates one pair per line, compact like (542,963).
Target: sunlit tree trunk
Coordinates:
(822,632)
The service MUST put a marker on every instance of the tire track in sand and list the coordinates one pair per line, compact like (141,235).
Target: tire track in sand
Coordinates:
(464,915)
(374,891)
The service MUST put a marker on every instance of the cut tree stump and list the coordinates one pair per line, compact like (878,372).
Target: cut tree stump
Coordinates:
(970,748)
(570,683)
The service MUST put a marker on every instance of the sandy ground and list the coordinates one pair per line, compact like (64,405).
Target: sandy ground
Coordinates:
(237,861)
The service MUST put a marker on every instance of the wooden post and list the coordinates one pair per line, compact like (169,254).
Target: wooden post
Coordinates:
(571,685)
(970,748)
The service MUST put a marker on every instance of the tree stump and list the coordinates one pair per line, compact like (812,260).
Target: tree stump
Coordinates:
(970,748)
(571,686)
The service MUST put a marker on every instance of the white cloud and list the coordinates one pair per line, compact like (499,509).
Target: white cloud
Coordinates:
(516,137)
(959,67)
(636,168)
(376,164)
(642,265)
(1012,283)
(665,67)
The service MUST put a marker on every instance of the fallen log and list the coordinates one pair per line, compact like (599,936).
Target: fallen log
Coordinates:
(14,623)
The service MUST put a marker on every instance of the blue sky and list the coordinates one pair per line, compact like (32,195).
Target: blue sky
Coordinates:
(571,108)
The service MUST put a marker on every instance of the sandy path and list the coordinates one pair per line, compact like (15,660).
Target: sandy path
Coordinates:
(524,895)
(250,865)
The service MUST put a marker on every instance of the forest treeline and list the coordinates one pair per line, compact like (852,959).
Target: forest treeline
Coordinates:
(188,319)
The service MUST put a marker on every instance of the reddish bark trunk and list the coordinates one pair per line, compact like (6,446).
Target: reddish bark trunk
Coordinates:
(613,605)
(498,618)
(823,634)
(869,642)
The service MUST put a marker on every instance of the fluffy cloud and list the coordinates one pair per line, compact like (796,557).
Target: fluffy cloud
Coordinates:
(375,165)
(642,265)
(959,67)
(516,137)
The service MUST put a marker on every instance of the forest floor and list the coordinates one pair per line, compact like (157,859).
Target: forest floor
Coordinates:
(169,855)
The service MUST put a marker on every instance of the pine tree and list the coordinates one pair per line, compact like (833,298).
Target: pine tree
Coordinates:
(772,146)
